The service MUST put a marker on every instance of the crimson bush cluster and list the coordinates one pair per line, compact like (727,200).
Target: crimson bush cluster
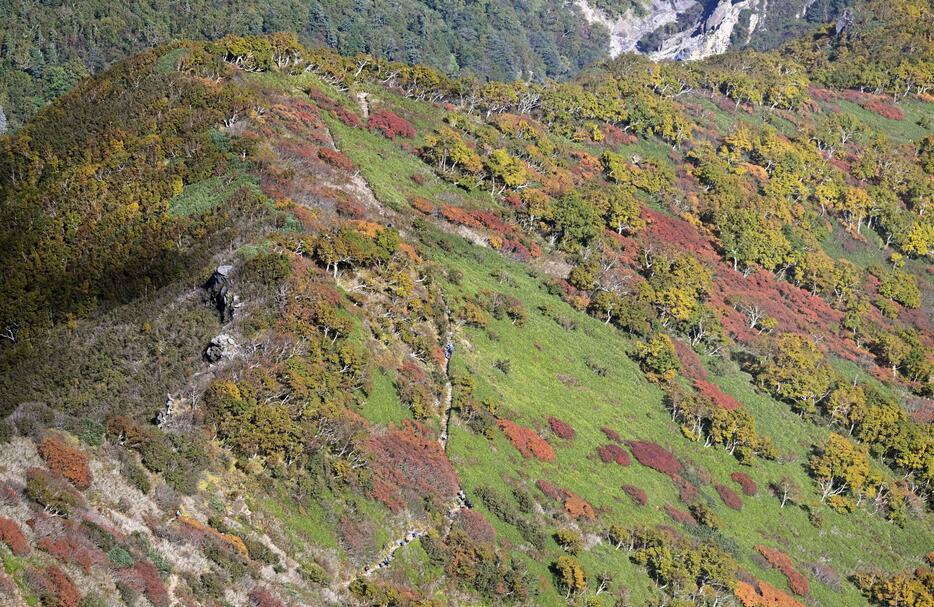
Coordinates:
(636,494)
(745,482)
(561,429)
(613,453)
(655,457)
(729,497)
(390,124)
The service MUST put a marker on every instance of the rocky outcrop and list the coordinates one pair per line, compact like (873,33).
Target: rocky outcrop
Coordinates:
(222,347)
(218,293)
(681,29)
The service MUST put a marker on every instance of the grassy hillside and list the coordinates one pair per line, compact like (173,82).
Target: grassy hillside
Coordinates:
(689,309)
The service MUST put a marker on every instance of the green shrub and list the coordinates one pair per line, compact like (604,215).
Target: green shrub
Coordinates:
(52,492)
(120,557)
(314,573)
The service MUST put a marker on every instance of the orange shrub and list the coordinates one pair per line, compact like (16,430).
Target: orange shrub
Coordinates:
(226,538)
(763,594)
(797,583)
(67,461)
(577,507)
(527,441)
(422,205)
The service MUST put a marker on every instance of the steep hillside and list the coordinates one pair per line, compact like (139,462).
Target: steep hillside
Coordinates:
(286,327)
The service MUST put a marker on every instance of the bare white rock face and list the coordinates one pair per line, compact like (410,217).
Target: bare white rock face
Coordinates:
(708,34)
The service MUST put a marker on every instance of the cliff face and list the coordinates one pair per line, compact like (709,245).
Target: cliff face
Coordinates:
(694,29)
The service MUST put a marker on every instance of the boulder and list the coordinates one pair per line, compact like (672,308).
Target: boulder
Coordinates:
(222,347)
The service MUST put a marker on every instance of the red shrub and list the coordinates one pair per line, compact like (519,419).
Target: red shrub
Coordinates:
(412,371)
(679,516)
(745,482)
(12,536)
(475,526)
(613,453)
(422,205)
(390,124)
(516,250)
(552,491)
(418,179)
(613,435)
(527,441)
(729,497)
(691,365)
(885,110)
(687,491)
(144,578)
(260,597)
(60,589)
(715,395)
(560,428)
(655,457)
(409,466)
(347,117)
(356,534)
(337,160)
(636,494)
(797,583)
(67,461)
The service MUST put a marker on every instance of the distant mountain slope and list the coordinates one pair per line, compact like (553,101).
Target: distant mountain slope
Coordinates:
(694,29)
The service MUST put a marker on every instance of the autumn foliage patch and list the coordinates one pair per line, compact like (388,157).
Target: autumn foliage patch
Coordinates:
(422,205)
(551,490)
(715,395)
(679,516)
(390,124)
(12,536)
(613,453)
(65,460)
(636,494)
(745,482)
(763,594)
(144,578)
(577,507)
(729,497)
(54,587)
(560,428)
(337,160)
(611,434)
(797,583)
(475,526)
(408,466)
(527,441)
(655,457)
(260,597)
(687,491)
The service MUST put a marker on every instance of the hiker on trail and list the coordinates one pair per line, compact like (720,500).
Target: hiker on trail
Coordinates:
(449,351)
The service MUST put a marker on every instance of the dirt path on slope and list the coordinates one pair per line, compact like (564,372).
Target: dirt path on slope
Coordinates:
(459,502)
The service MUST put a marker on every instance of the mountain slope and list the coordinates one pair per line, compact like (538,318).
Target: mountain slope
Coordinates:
(689,308)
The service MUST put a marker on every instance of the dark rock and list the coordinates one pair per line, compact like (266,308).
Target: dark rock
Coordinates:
(218,293)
